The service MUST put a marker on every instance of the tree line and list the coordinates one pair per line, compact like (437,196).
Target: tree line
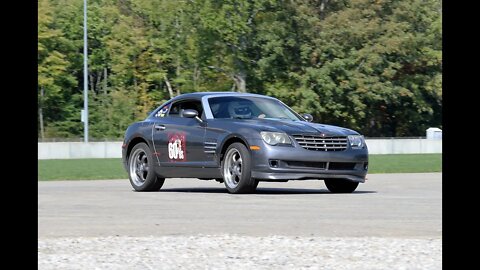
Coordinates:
(371,65)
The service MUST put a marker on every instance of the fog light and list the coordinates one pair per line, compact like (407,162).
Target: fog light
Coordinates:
(274,163)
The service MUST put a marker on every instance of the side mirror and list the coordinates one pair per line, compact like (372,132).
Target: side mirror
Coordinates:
(190,113)
(307,117)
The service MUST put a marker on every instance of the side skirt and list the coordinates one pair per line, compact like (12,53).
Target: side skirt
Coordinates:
(188,172)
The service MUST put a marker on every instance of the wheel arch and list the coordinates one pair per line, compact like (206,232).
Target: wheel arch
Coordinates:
(132,144)
(228,141)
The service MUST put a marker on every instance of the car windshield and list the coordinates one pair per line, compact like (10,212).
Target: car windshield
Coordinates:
(250,107)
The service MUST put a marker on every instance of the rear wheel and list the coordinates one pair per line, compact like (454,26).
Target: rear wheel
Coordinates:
(140,169)
(340,185)
(236,168)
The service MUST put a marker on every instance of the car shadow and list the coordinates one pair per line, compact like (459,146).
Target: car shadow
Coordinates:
(262,191)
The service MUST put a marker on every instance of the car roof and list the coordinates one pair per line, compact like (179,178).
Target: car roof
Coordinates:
(199,95)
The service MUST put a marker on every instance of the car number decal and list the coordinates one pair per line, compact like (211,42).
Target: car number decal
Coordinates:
(177,147)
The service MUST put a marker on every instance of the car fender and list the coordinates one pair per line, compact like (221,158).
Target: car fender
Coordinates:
(226,139)
(137,130)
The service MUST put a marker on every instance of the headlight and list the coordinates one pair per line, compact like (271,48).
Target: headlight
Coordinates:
(356,141)
(274,138)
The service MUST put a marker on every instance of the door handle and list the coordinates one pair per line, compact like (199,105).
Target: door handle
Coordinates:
(159,127)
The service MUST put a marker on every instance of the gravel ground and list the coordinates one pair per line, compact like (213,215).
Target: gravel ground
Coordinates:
(239,252)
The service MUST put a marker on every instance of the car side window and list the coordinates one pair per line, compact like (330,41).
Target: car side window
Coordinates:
(163,111)
(175,110)
(178,107)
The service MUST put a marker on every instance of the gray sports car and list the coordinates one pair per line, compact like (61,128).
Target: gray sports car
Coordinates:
(240,139)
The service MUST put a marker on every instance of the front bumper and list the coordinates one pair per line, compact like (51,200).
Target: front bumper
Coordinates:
(297,163)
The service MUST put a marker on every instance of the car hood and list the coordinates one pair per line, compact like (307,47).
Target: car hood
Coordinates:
(295,127)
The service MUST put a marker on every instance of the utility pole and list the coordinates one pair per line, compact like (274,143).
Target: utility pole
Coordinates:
(85,74)
(40,113)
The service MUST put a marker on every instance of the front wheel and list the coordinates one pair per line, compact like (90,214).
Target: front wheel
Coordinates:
(340,185)
(140,169)
(236,168)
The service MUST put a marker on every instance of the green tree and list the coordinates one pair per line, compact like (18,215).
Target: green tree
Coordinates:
(54,75)
(228,30)
(374,66)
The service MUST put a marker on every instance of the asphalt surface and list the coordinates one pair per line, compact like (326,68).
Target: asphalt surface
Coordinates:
(387,205)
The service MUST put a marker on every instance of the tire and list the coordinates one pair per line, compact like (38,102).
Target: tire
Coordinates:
(141,170)
(236,170)
(340,185)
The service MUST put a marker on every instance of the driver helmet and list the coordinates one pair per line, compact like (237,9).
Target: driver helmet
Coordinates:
(239,109)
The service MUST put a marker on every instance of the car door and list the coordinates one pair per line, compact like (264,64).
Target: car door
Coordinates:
(178,141)
(215,133)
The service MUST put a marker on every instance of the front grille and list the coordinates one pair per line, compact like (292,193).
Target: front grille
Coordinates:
(306,164)
(320,143)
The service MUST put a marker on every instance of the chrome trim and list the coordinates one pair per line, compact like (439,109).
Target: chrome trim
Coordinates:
(321,143)
(210,147)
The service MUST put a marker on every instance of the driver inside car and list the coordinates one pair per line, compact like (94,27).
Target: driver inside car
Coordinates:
(241,110)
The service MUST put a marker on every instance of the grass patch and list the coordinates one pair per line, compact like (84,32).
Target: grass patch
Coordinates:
(85,169)
(112,168)
(405,163)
